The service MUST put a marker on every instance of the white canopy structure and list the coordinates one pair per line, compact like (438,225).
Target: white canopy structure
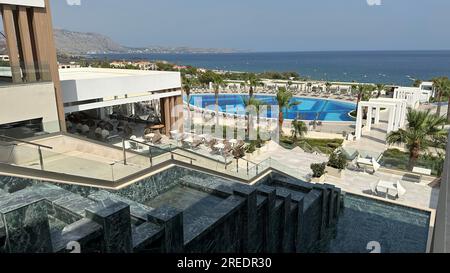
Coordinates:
(397,114)
(413,95)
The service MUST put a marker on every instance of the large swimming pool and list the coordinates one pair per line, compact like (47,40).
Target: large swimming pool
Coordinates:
(308,109)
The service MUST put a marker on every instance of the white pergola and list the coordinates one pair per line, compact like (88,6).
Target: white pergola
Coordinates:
(397,114)
(413,96)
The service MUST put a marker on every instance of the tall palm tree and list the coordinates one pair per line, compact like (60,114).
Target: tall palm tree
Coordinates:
(257,104)
(380,88)
(441,84)
(299,129)
(253,82)
(361,89)
(217,83)
(422,131)
(328,86)
(284,103)
(187,88)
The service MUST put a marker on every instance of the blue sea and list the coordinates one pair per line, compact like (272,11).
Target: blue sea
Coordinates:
(389,67)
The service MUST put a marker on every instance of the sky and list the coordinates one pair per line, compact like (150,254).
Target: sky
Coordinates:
(263,25)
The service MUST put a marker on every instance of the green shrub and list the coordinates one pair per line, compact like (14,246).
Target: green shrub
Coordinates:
(337,161)
(251,148)
(318,169)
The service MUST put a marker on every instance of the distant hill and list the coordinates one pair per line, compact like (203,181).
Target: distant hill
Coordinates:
(80,43)
(83,43)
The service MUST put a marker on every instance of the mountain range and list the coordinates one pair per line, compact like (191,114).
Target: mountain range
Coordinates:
(85,43)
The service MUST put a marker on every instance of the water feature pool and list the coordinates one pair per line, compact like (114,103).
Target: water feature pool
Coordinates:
(396,228)
(308,109)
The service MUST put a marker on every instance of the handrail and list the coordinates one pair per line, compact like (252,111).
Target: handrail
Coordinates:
(159,148)
(26,142)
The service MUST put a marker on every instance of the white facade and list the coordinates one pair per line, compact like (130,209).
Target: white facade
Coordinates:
(28,102)
(93,88)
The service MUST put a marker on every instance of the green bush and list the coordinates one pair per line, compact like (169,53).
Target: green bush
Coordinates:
(337,161)
(251,148)
(318,169)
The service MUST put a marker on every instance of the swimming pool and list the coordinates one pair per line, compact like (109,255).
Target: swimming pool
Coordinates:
(397,229)
(308,109)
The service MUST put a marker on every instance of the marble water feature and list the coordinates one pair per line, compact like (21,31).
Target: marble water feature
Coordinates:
(175,211)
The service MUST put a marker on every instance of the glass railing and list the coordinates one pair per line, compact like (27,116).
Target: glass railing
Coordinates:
(125,163)
(11,75)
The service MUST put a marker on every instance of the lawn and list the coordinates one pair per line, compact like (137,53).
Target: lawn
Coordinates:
(325,146)
(394,158)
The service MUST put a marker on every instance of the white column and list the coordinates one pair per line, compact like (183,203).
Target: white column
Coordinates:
(403,117)
(398,116)
(369,118)
(359,121)
(377,115)
(102,113)
(391,119)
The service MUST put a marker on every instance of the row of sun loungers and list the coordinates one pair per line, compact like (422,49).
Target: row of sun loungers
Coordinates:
(215,145)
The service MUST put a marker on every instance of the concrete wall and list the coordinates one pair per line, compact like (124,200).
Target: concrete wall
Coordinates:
(29,101)
(441,240)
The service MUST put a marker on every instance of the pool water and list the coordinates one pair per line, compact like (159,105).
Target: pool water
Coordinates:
(192,202)
(308,109)
(397,229)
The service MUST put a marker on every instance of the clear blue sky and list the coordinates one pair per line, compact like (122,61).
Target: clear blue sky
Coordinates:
(264,25)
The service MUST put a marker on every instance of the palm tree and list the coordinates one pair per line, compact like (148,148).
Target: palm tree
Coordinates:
(299,128)
(217,83)
(187,87)
(284,103)
(380,88)
(256,103)
(328,86)
(361,89)
(422,131)
(253,82)
(441,84)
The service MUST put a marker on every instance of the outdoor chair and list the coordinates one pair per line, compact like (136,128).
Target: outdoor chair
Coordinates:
(98,133)
(400,189)
(196,144)
(157,139)
(373,188)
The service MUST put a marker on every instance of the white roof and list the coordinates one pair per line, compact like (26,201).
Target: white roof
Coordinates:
(82,85)
(27,3)
(105,73)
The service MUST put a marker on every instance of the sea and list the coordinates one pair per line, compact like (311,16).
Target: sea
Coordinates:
(387,67)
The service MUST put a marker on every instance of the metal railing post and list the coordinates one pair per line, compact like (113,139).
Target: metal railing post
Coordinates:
(112,171)
(41,159)
(124,152)
(237,165)
(151,156)
(248,171)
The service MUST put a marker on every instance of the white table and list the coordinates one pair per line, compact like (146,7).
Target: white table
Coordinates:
(386,185)
(219,146)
